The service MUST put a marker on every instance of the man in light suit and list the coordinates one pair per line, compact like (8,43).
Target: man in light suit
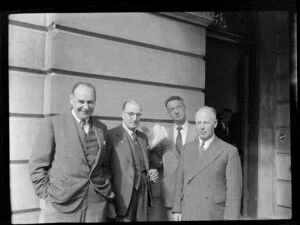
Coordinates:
(172,147)
(209,178)
(129,166)
(69,162)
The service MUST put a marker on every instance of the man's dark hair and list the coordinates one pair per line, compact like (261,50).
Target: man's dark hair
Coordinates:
(84,84)
(227,110)
(171,98)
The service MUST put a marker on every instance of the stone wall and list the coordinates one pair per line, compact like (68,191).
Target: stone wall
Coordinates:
(142,56)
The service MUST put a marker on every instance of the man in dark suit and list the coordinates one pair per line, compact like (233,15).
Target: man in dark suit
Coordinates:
(69,163)
(209,178)
(179,133)
(223,129)
(129,166)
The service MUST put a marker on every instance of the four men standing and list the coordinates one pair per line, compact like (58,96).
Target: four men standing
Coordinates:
(80,168)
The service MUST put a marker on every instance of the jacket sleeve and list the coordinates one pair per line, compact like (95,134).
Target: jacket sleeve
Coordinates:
(234,186)
(41,158)
(178,195)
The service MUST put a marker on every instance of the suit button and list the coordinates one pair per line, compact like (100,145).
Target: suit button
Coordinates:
(208,186)
(206,197)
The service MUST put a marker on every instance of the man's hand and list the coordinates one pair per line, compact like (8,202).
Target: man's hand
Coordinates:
(157,134)
(177,216)
(153,174)
(111,211)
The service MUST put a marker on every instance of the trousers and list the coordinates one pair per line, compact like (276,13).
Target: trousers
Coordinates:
(93,209)
(137,210)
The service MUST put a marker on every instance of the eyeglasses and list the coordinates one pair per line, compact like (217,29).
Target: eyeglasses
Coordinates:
(131,114)
(179,107)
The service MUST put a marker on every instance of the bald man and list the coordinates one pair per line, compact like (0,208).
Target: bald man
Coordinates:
(209,178)
(129,166)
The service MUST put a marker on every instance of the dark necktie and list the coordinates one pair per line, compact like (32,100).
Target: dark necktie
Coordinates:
(134,137)
(83,124)
(139,150)
(201,148)
(179,140)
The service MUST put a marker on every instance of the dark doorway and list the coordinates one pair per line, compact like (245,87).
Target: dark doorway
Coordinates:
(231,83)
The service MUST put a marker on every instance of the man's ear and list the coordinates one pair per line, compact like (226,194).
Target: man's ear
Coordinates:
(71,98)
(123,116)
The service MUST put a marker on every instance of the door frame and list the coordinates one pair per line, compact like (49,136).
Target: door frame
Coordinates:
(247,102)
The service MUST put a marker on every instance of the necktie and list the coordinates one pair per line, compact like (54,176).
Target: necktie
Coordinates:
(134,137)
(201,147)
(139,151)
(179,140)
(83,125)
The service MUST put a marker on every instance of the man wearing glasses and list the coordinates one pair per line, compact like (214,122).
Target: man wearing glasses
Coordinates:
(180,133)
(129,166)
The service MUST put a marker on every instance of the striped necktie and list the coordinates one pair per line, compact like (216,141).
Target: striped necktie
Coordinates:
(201,148)
(84,126)
(134,137)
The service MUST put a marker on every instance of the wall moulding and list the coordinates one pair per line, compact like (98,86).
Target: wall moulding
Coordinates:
(197,18)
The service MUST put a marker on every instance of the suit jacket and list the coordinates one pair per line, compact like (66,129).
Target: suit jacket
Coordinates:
(209,187)
(59,169)
(122,166)
(170,161)
(222,134)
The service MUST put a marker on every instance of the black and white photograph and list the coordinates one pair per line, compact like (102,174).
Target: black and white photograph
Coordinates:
(152,115)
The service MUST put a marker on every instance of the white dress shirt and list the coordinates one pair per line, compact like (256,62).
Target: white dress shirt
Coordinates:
(86,126)
(128,130)
(207,142)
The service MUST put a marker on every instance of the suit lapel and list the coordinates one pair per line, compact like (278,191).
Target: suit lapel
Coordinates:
(75,136)
(192,154)
(170,132)
(100,139)
(126,145)
(211,153)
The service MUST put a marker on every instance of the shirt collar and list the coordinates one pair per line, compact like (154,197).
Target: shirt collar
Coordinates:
(207,142)
(128,130)
(184,126)
(77,119)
